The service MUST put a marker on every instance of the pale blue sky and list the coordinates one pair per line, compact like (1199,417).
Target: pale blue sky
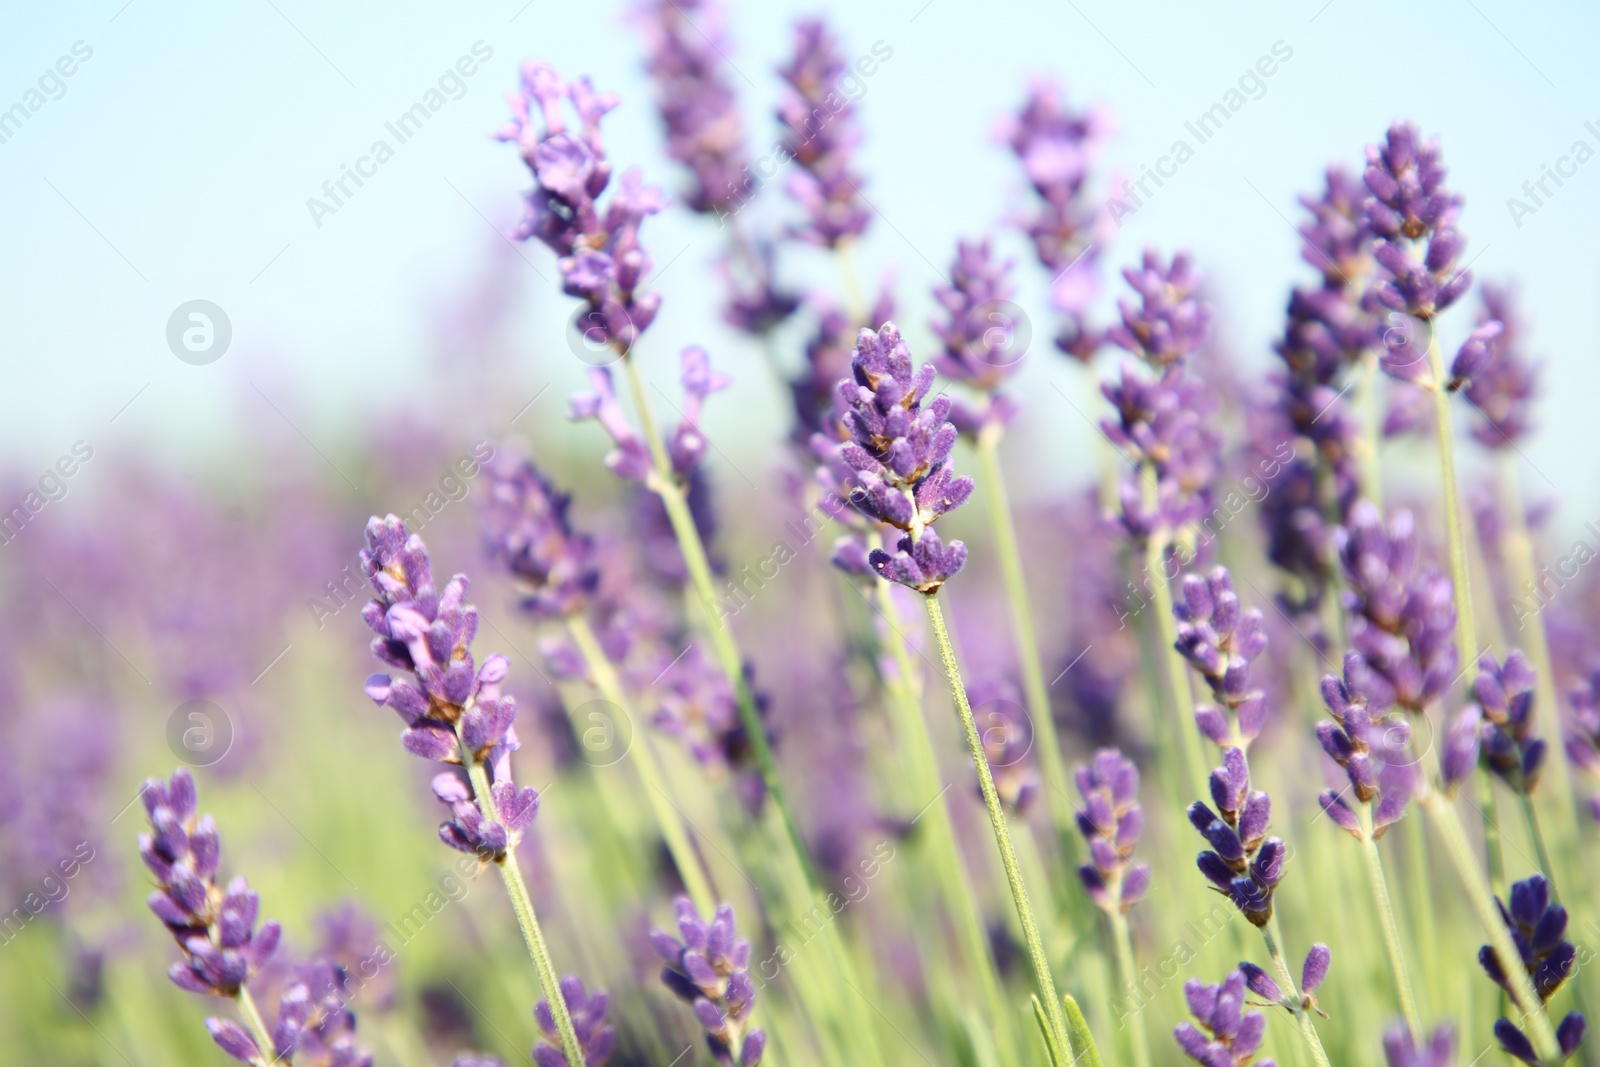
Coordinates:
(178,161)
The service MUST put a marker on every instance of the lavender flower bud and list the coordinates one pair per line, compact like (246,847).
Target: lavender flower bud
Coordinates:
(1401,1050)
(1220,641)
(1227,1035)
(587,1010)
(1415,219)
(1505,696)
(1372,754)
(1503,383)
(707,966)
(1170,323)
(1242,863)
(1539,929)
(979,332)
(1110,821)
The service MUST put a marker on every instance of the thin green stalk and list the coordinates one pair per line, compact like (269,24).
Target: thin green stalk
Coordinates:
(1517,545)
(1447,824)
(1182,696)
(731,661)
(1532,815)
(1391,929)
(1002,833)
(684,856)
(1419,902)
(1056,781)
(1302,1018)
(855,296)
(1494,856)
(940,837)
(522,905)
(1127,977)
(258,1025)
(1466,625)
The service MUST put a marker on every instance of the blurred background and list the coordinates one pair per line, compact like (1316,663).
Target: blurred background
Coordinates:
(203,547)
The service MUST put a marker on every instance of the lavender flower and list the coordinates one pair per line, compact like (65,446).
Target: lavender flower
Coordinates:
(1500,380)
(1219,639)
(452,709)
(315,1028)
(215,927)
(588,1012)
(1401,612)
(979,333)
(1162,425)
(601,260)
(821,138)
(526,530)
(1505,694)
(899,451)
(828,352)
(1583,733)
(1539,928)
(1414,218)
(756,305)
(1243,863)
(1057,148)
(1312,972)
(698,705)
(630,457)
(1111,821)
(1372,753)
(686,47)
(1170,323)
(1228,1036)
(708,966)
(1400,1048)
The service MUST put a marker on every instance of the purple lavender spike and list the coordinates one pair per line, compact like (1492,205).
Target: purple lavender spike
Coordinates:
(709,969)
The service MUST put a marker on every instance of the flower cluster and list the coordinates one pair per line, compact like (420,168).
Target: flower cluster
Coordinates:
(1111,821)
(1312,972)
(215,927)
(629,458)
(899,452)
(1228,1036)
(1414,218)
(453,709)
(588,1013)
(1500,381)
(1400,1048)
(1162,421)
(1539,928)
(697,704)
(983,334)
(315,1026)
(1402,613)
(821,138)
(1583,733)
(686,56)
(708,966)
(1220,639)
(1372,754)
(1243,863)
(601,260)
(1504,693)
(1057,148)
(526,530)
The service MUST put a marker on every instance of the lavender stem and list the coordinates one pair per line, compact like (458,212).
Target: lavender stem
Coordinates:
(1447,824)
(684,857)
(1002,833)
(258,1025)
(1386,919)
(855,297)
(943,848)
(1540,852)
(1128,977)
(1056,780)
(1302,1018)
(1466,626)
(522,905)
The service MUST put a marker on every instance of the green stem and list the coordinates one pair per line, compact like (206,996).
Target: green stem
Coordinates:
(522,905)
(643,758)
(1302,1018)
(1517,544)
(1466,626)
(940,837)
(1182,697)
(258,1025)
(997,819)
(1447,824)
(1056,780)
(1494,856)
(1391,929)
(665,485)
(1539,850)
(855,296)
(1127,977)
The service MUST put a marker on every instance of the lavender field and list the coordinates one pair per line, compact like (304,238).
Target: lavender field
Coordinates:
(696,619)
